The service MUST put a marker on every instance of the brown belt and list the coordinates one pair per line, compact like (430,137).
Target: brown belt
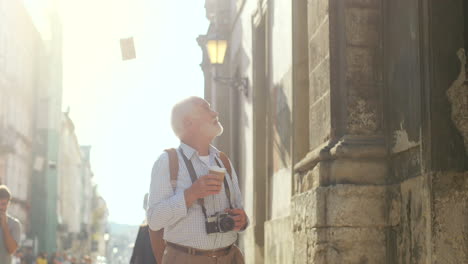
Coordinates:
(198,252)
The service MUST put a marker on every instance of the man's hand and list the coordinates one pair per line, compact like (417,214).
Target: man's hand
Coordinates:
(10,243)
(3,219)
(239,216)
(206,185)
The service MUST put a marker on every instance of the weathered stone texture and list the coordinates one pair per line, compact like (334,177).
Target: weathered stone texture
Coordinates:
(347,245)
(319,80)
(340,245)
(362,77)
(319,75)
(405,165)
(319,46)
(364,115)
(450,218)
(458,97)
(433,225)
(309,179)
(362,26)
(361,68)
(358,171)
(319,123)
(413,233)
(317,13)
(301,245)
(363,71)
(345,206)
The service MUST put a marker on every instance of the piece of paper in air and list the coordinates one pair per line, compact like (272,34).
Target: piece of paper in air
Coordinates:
(128,48)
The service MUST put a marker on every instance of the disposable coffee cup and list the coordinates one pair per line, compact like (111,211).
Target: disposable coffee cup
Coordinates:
(220,172)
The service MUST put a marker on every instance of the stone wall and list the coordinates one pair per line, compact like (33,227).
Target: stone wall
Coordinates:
(344,208)
(377,162)
(409,241)
(319,72)
(449,217)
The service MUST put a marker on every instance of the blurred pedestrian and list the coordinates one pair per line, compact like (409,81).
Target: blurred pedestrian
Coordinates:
(17,257)
(57,258)
(28,256)
(87,260)
(142,251)
(10,230)
(42,258)
(66,259)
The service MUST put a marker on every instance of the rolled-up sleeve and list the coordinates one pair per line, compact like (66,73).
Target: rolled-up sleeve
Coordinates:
(164,207)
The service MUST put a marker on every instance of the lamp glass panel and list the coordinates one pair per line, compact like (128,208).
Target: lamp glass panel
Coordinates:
(222,47)
(212,48)
(216,50)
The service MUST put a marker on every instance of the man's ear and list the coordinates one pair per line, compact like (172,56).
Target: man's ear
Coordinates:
(187,122)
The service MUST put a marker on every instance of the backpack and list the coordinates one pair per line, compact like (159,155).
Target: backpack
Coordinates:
(157,242)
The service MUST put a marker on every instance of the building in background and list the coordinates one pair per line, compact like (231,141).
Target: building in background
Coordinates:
(21,63)
(45,184)
(48,172)
(70,185)
(80,225)
(343,136)
(99,226)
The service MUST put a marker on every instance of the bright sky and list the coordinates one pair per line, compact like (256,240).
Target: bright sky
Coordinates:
(122,108)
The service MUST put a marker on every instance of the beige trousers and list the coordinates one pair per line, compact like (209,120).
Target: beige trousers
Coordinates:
(174,256)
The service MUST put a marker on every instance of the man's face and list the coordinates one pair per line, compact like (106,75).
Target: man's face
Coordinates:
(4,203)
(205,119)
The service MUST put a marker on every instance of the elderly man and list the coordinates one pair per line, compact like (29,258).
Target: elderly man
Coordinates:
(10,228)
(188,213)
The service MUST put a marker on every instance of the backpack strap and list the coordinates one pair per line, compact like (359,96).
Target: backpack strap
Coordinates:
(173,166)
(226,163)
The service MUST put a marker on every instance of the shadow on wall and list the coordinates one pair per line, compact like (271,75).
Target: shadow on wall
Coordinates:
(282,124)
(241,61)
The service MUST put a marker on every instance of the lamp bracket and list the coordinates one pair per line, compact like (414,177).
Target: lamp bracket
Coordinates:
(240,83)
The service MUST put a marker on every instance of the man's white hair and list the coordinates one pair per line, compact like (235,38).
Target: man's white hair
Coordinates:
(180,111)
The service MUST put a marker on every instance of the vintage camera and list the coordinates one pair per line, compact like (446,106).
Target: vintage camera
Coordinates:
(219,223)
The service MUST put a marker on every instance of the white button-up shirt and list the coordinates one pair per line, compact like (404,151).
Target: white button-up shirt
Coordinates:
(166,209)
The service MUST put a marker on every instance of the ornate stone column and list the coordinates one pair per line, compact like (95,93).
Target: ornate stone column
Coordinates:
(343,207)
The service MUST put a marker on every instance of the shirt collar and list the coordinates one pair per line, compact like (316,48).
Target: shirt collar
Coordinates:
(189,151)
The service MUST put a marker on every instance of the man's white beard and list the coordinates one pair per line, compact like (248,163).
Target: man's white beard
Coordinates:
(212,130)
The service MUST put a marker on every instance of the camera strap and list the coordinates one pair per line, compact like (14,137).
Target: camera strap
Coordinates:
(193,176)
(226,186)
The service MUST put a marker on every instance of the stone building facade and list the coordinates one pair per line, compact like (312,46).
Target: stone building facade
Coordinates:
(20,46)
(348,146)
(82,212)
(48,173)
(76,192)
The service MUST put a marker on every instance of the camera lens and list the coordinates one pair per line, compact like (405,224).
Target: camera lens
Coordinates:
(226,224)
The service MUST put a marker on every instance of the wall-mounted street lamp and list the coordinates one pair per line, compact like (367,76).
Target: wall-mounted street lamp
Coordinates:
(217,48)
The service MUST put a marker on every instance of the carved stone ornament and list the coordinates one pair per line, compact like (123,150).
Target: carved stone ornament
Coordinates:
(458,98)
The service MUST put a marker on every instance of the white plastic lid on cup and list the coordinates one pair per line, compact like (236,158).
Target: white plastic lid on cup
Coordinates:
(217,169)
